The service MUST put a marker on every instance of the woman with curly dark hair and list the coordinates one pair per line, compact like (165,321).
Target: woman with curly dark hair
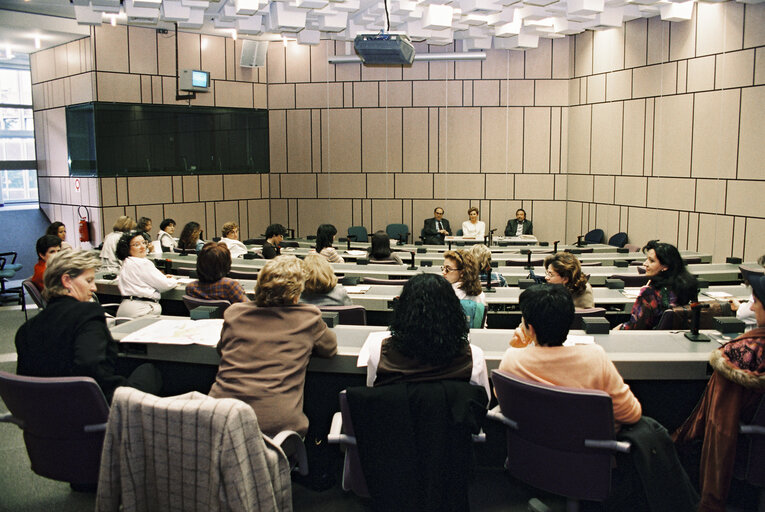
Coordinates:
(190,237)
(461,270)
(564,268)
(671,285)
(428,339)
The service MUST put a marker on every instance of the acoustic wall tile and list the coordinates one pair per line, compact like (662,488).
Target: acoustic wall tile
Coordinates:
(583,54)
(231,64)
(486,93)
(274,187)
(751,134)
(261,213)
(299,141)
(235,94)
(657,49)
(277,139)
(213,48)
(630,191)
(346,185)
(735,69)
(241,186)
(716,236)
(596,88)
(535,186)
(573,91)
(122,192)
(555,139)
(710,195)
(501,139)
(225,211)
(579,124)
(518,93)
(321,69)
(467,93)
(276,65)
(754,245)
(165,54)
(386,212)
(500,186)
(636,41)
(73,57)
(739,233)
(682,37)
(57,92)
(81,87)
(759,66)
(580,188)
(297,63)
(619,85)
(651,224)
(281,96)
(701,74)
(396,94)
(108,192)
(441,70)
(503,64)
(539,60)
(142,50)
(459,140)
(658,80)
(562,62)
(672,137)
(467,70)
(111,48)
(754,26)
(157,89)
(366,94)
(415,145)
(671,193)
(146,89)
(460,186)
(150,190)
(414,186)
(604,190)
(381,140)
(417,71)
(259,95)
(347,72)
(720,27)
(341,140)
(299,185)
(210,188)
(650,114)
(551,93)
(547,220)
(682,231)
(573,221)
(608,50)
(189,50)
(433,139)
(381,186)
(606,151)
(536,140)
(743,196)
(436,93)
(715,134)
(682,76)
(61,61)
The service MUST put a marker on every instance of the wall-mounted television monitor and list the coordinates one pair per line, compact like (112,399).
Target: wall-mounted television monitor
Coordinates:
(124,139)
(194,80)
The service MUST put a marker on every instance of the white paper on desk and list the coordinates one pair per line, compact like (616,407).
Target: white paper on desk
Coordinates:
(356,252)
(631,293)
(184,280)
(358,288)
(718,295)
(179,332)
(576,339)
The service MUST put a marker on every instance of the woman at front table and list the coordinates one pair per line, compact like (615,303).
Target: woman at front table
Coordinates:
(473,227)
(139,281)
(265,346)
(671,285)
(213,264)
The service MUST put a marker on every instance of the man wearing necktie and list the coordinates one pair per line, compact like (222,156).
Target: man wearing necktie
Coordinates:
(436,228)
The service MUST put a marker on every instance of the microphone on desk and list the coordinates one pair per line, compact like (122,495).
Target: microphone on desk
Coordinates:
(292,233)
(412,266)
(555,245)
(694,335)
(579,240)
(529,266)
(491,235)
(489,289)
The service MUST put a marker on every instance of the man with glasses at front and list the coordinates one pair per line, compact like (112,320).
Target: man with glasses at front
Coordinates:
(436,228)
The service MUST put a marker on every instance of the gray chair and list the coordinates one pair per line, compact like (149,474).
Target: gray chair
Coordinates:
(8,269)
(580,313)
(195,302)
(398,232)
(375,280)
(632,280)
(750,452)
(243,274)
(594,236)
(358,234)
(28,286)
(618,240)
(348,315)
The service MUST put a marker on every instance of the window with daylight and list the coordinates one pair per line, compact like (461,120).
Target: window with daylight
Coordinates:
(18,166)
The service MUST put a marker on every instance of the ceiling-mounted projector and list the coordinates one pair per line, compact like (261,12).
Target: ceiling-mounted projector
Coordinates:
(384,48)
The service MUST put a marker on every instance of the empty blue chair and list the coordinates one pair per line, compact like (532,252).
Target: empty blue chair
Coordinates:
(618,240)
(398,232)
(595,236)
(358,234)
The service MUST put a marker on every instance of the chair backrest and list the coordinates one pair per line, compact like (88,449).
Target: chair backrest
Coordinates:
(475,313)
(680,317)
(393,282)
(243,274)
(535,262)
(750,451)
(195,302)
(387,261)
(459,232)
(33,292)
(580,313)
(349,315)
(594,236)
(398,232)
(618,240)
(632,280)
(547,449)
(63,419)
(358,234)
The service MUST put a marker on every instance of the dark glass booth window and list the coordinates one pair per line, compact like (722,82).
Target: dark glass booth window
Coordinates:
(123,139)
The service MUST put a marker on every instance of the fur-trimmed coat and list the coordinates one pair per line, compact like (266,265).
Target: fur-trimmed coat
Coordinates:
(732,396)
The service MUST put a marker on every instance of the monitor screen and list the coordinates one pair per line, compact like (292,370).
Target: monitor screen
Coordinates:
(200,78)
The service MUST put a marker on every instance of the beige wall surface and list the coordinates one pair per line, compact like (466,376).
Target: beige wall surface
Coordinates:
(653,128)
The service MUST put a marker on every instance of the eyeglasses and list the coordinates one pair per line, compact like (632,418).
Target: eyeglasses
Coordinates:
(447,269)
(138,244)
(439,213)
(550,274)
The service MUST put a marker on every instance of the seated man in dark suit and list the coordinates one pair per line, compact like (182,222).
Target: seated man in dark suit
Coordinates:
(519,225)
(436,229)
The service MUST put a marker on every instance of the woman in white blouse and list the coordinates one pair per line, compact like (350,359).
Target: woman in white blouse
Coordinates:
(473,227)
(230,237)
(140,282)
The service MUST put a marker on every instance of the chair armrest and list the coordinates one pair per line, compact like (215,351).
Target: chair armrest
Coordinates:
(10,418)
(335,435)
(496,415)
(480,437)
(756,430)
(610,445)
(293,447)
(96,427)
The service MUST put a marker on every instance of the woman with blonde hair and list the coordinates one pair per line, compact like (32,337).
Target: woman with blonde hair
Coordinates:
(230,236)
(265,346)
(461,270)
(109,260)
(564,268)
(482,255)
(321,286)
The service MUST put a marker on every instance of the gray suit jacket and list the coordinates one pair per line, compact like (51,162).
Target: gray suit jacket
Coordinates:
(430,234)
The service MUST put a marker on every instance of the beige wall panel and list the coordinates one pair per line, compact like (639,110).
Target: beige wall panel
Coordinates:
(275,63)
(433,154)
(580,188)
(683,38)
(500,186)
(108,192)
(555,140)
(658,40)
(716,236)
(573,222)
(486,93)
(414,186)
(241,186)
(321,69)
(177,188)
(459,140)
(720,27)
(342,185)
(551,93)
(298,65)
(166,54)
(347,72)
(759,66)
(210,224)
(234,94)
(281,96)
(715,134)
(607,219)
(348,94)
(503,64)
(672,137)
(81,87)
(341,140)
(650,224)
(146,96)
(441,70)
(318,95)
(650,110)
(142,49)
(516,93)
(534,186)
(122,192)
(754,245)
(548,219)
(154,212)
(754,26)
(381,73)
(55,137)
(608,50)
(467,70)
(225,211)
(734,69)
(189,50)
(607,138)
(386,212)
(436,93)
(38,94)
(365,94)
(671,193)
(739,230)
(61,61)
(111,48)
(299,141)
(459,186)
(701,74)
(561,187)
(536,140)
(682,231)
(213,53)
(210,188)
(299,185)
(190,189)
(378,153)
(745,198)
(630,191)
(539,60)
(380,186)
(657,80)
(274,187)
(260,214)
(259,95)
(467,93)
(231,65)
(156,89)
(604,189)
(396,94)
(150,190)
(579,119)
(636,35)
(619,85)
(752,134)
(682,76)
(710,196)
(415,148)
(573,91)
(118,87)
(561,57)
(583,54)
(417,71)
(57,92)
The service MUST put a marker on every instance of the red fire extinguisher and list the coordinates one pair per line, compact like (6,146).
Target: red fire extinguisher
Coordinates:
(84,224)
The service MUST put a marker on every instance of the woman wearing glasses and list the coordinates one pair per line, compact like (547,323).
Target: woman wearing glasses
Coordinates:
(461,270)
(564,268)
(140,282)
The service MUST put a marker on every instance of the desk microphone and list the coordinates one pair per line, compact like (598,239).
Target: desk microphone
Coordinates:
(555,245)
(412,266)
(489,289)
(529,266)
(579,241)
(694,335)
